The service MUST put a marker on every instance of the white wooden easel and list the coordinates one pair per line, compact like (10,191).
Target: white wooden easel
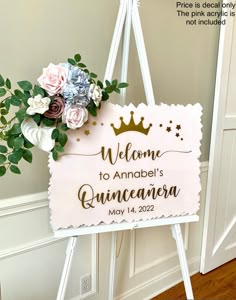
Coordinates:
(128,14)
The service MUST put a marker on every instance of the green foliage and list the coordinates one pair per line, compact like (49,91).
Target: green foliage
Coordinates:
(77,57)
(27,155)
(71,61)
(2,170)
(14,105)
(15,169)
(8,83)
(25,85)
(2,92)
(3,149)
(1,80)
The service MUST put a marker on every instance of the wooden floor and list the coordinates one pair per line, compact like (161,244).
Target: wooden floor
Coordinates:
(219,284)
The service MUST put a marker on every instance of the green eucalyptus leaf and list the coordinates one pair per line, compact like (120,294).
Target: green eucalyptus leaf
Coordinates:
(122,85)
(54,154)
(15,100)
(16,129)
(8,103)
(92,75)
(36,118)
(48,122)
(100,84)
(8,83)
(59,148)
(109,89)
(21,114)
(38,91)
(55,134)
(3,149)
(2,92)
(71,61)
(80,65)
(3,158)
(107,83)
(62,139)
(19,94)
(27,155)
(25,85)
(16,156)
(117,90)
(27,144)
(77,57)
(2,170)
(3,137)
(15,169)
(3,120)
(10,141)
(4,112)
(105,96)
(1,81)
(92,109)
(115,82)
(64,127)
(18,142)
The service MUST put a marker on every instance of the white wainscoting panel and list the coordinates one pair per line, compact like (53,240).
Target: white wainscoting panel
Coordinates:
(31,259)
(153,260)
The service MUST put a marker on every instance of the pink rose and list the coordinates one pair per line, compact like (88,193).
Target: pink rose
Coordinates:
(53,79)
(56,108)
(75,116)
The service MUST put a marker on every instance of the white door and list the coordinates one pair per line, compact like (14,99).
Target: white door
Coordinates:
(219,235)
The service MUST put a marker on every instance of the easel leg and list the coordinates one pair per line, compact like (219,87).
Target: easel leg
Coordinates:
(177,235)
(125,51)
(66,270)
(112,266)
(116,40)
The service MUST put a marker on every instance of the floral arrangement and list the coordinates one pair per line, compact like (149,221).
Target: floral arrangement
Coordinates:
(65,96)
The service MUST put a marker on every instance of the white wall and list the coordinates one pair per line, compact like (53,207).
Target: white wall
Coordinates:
(31,260)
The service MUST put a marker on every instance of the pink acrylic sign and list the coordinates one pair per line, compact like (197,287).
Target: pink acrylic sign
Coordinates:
(128,164)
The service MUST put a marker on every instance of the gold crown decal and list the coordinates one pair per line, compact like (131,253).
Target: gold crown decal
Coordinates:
(131,126)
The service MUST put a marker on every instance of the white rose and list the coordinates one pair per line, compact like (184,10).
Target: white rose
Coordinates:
(95,93)
(75,116)
(38,104)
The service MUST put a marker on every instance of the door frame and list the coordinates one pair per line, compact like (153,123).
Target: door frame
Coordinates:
(218,123)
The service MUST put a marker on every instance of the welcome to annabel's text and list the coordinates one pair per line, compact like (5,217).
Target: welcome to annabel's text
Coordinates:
(205,12)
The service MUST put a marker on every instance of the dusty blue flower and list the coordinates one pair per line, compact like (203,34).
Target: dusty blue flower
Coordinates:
(77,88)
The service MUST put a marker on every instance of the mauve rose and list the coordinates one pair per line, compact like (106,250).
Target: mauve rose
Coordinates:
(56,108)
(53,79)
(75,116)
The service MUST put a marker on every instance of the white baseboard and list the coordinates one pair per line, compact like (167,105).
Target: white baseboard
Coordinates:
(160,283)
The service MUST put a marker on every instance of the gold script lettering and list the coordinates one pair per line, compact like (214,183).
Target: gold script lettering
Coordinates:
(87,195)
(128,154)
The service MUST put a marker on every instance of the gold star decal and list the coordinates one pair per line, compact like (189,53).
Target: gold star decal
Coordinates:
(94,123)
(168,129)
(86,132)
(178,127)
(177,135)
